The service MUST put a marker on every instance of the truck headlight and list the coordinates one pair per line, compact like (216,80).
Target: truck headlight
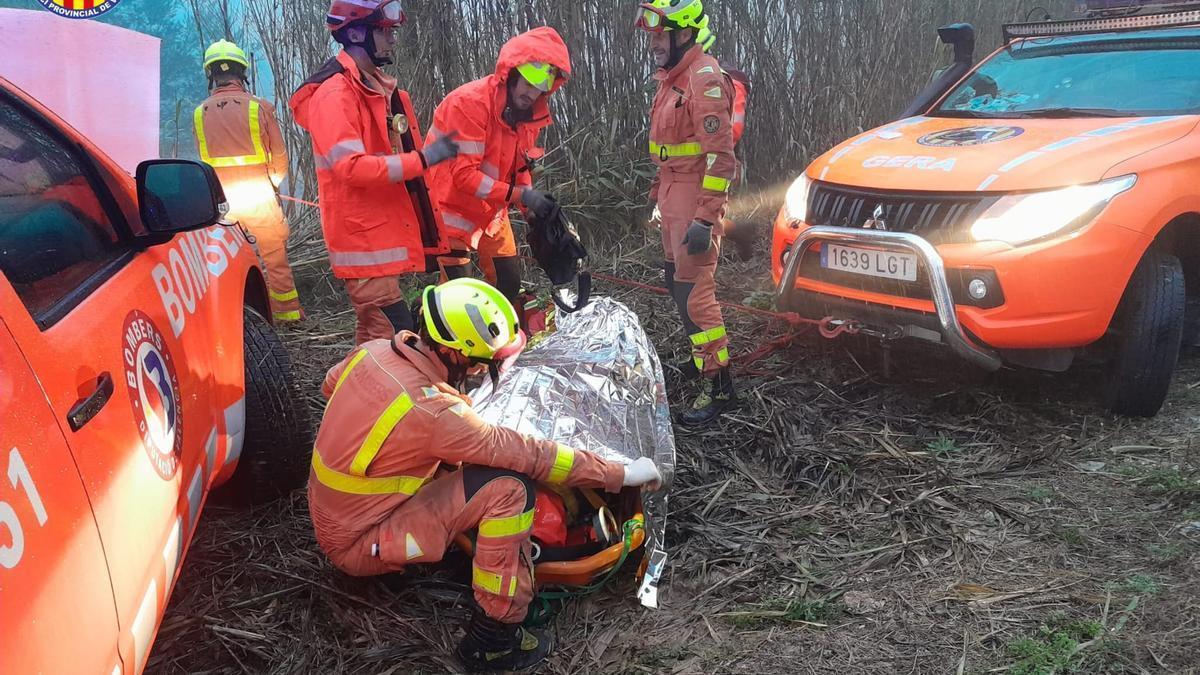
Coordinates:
(1021,219)
(795,205)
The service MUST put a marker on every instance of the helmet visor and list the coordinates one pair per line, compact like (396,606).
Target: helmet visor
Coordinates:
(651,20)
(540,76)
(506,356)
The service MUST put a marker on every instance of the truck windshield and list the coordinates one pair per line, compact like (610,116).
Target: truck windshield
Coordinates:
(1111,75)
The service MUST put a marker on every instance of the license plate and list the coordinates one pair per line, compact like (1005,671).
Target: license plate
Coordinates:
(869,262)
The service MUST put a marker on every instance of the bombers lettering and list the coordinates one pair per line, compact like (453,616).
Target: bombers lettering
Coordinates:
(910,162)
(192,262)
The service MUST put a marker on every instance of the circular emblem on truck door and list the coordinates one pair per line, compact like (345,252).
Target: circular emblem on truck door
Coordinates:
(153,392)
(79,9)
(969,136)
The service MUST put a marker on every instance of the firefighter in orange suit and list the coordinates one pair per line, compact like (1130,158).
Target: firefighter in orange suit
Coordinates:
(369,165)
(402,465)
(692,142)
(238,135)
(498,120)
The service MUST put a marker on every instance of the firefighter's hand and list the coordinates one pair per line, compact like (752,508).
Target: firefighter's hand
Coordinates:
(539,203)
(644,474)
(441,150)
(698,238)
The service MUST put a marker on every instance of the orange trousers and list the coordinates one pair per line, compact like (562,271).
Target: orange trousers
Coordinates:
(495,505)
(692,278)
(255,206)
(380,308)
(497,258)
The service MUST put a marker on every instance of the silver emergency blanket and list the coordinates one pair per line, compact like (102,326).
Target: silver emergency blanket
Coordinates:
(595,384)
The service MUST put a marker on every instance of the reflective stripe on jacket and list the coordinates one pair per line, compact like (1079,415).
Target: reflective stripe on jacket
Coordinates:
(392,421)
(237,134)
(492,166)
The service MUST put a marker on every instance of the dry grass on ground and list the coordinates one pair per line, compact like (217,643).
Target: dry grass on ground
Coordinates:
(937,520)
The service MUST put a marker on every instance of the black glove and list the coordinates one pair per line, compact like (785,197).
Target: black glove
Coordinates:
(539,203)
(441,150)
(698,238)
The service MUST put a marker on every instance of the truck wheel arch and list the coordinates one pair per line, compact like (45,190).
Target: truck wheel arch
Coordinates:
(255,295)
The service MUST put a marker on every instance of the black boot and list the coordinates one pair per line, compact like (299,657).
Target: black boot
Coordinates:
(716,396)
(491,645)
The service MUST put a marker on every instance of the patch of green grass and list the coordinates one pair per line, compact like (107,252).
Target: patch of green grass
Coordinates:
(1138,584)
(1172,482)
(1053,649)
(1040,494)
(1072,536)
(782,611)
(942,447)
(1166,552)
(1182,488)
(805,529)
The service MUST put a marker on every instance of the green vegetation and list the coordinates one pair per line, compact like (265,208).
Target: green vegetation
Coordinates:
(783,611)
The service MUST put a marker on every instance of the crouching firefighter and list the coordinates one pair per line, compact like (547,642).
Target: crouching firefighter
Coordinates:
(692,142)
(376,214)
(238,135)
(497,120)
(402,465)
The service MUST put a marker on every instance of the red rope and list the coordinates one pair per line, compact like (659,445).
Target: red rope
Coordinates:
(300,201)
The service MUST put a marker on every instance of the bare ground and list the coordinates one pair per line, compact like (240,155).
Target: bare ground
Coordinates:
(930,519)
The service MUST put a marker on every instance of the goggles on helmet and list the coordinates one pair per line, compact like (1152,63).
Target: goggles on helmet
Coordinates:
(652,20)
(540,76)
(389,15)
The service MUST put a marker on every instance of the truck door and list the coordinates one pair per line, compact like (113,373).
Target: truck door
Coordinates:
(91,325)
(56,602)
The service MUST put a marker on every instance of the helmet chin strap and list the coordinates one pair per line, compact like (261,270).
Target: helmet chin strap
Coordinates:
(679,49)
(373,50)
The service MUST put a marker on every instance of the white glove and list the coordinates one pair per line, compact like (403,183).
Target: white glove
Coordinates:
(643,473)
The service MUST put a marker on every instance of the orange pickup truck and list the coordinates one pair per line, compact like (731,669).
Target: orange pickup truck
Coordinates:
(1041,205)
(136,373)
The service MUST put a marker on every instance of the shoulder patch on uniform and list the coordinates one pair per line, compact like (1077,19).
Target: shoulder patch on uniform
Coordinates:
(715,92)
(412,550)
(705,69)
(712,124)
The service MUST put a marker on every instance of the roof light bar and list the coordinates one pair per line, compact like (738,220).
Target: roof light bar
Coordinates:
(1102,25)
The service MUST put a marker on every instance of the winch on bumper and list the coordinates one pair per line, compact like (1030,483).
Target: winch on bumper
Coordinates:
(883,320)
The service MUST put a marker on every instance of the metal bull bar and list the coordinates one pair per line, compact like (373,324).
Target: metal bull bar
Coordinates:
(943,298)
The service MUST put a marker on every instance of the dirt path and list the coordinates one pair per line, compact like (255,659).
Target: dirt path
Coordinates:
(939,520)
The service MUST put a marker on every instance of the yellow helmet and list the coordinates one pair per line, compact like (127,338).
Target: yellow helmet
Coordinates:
(659,15)
(473,318)
(224,50)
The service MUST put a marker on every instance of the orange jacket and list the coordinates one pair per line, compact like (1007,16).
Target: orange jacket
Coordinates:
(493,164)
(392,421)
(691,130)
(368,173)
(237,133)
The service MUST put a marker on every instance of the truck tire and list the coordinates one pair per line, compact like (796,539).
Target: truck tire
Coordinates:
(278,442)
(1149,331)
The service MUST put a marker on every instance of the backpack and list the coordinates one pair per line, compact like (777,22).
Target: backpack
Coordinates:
(559,252)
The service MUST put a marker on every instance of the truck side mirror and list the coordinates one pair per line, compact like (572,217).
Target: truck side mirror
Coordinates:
(177,195)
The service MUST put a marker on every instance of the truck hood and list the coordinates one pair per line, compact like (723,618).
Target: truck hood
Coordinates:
(969,155)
